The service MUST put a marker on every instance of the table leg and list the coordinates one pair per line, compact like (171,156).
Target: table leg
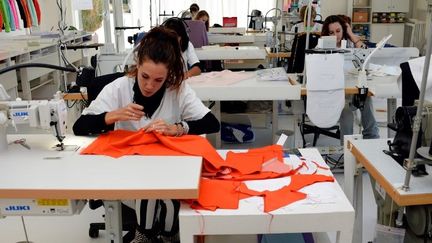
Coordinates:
(344,236)
(349,168)
(358,208)
(275,117)
(217,112)
(113,222)
(353,187)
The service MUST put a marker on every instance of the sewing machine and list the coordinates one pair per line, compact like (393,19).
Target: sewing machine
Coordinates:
(42,114)
(40,207)
(386,56)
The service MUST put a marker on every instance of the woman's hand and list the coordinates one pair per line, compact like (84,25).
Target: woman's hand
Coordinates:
(349,31)
(133,112)
(160,126)
(353,37)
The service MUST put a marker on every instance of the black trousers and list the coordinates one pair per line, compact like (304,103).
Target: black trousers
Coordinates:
(158,217)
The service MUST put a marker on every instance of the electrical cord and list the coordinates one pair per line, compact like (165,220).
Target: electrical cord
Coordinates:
(39,65)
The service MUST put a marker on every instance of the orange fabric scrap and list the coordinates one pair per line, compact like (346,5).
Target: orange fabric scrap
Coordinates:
(260,163)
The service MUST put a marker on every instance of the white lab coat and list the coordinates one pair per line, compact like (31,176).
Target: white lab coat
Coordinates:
(175,106)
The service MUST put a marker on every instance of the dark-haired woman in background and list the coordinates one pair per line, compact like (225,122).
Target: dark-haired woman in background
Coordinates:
(205,17)
(336,25)
(191,61)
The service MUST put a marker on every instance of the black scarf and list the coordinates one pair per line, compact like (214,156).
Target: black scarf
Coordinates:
(151,103)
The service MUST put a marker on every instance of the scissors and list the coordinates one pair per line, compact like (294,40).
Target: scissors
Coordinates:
(22,142)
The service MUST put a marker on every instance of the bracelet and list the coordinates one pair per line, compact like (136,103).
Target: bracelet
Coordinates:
(179,130)
(185,127)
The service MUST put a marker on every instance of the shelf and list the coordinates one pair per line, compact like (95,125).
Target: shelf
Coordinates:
(387,23)
(362,7)
(361,23)
(42,84)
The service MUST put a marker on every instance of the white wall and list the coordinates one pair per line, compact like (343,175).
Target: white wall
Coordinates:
(51,14)
(331,7)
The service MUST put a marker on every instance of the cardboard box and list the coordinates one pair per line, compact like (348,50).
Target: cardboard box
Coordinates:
(360,17)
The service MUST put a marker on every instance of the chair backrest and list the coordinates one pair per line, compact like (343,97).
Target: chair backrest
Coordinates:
(296,61)
(98,83)
(198,33)
(410,91)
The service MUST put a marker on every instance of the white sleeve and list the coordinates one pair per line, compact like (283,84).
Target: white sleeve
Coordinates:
(192,57)
(107,100)
(191,106)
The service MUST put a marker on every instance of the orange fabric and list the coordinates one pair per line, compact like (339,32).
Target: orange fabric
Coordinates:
(225,194)
(218,194)
(245,163)
(121,142)
(214,193)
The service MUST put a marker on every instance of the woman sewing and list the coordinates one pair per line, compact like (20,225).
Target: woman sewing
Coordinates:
(152,96)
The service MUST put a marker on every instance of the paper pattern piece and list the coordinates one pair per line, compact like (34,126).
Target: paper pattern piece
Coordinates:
(325,83)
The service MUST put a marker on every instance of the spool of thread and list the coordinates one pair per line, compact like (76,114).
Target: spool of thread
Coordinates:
(343,44)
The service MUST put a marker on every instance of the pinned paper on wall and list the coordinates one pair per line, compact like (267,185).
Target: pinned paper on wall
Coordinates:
(83,4)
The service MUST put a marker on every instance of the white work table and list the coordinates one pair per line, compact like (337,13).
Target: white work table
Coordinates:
(42,172)
(224,38)
(227,30)
(248,89)
(335,215)
(386,172)
(230,53)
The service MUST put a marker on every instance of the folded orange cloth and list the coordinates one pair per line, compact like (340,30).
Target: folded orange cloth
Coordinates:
(214,193)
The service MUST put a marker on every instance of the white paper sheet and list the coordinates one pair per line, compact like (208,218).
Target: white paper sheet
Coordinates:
(324,71)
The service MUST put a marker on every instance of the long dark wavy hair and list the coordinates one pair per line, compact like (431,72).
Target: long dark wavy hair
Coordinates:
(160,45)
(333,19)
(181,28)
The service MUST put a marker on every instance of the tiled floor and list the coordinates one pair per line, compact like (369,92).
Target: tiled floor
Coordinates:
(74,229)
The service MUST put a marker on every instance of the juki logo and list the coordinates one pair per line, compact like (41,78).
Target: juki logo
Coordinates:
(18,208)
(20,113)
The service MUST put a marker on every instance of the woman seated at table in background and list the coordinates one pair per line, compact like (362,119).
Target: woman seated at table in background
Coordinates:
(153,97)
(302,26)
(203,16)
(191,61)
(336,26)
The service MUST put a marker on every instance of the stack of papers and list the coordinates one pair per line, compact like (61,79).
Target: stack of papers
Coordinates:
(276,74)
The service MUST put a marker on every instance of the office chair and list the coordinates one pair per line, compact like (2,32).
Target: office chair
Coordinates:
(297,58)
(399,148)
(129,220)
